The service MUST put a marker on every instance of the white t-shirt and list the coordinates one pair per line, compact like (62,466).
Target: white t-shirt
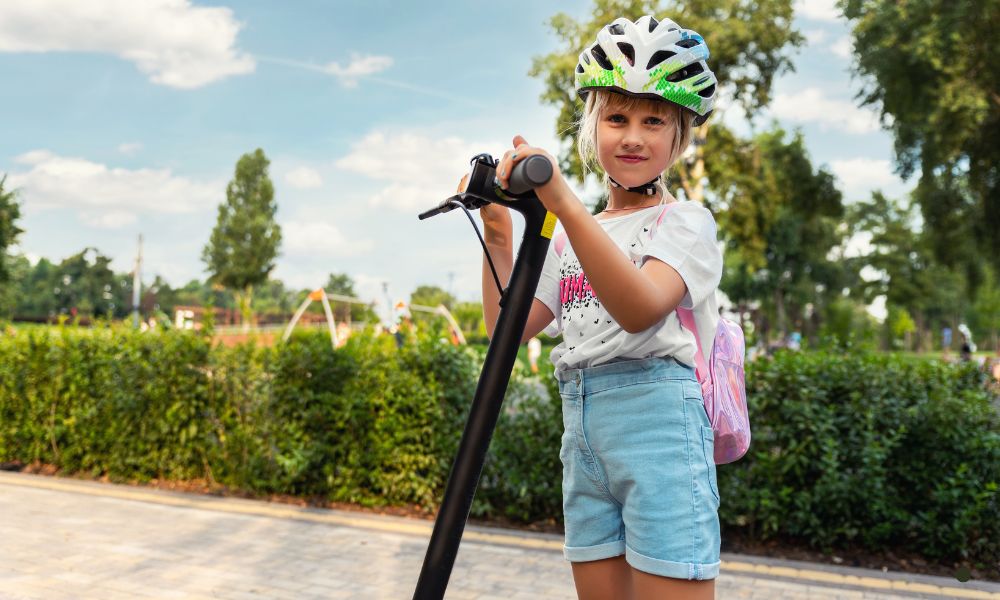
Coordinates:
(686,239)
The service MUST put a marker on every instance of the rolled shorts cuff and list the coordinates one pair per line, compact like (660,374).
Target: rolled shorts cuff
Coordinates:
(599,552)
(675,570)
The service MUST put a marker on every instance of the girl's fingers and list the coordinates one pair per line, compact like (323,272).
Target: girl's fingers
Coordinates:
(511,157)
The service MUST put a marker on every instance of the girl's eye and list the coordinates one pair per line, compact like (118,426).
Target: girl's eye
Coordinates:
(616,118)
(655,121)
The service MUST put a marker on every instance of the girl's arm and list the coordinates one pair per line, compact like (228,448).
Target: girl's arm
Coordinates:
(636,298)
(498,233)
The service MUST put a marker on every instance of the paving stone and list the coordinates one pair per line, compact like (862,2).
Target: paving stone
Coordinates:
(70,539)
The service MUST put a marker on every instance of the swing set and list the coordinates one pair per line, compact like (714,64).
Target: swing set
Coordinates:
(320,295)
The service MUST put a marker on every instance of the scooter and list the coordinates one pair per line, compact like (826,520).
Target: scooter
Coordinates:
(515,304)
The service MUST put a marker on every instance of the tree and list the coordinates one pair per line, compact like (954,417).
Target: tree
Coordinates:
(11,293)
(431,295)
(779,215)
(10,212)
(747,38)
(241,251)
(986,313)
(470,318)
(930,68)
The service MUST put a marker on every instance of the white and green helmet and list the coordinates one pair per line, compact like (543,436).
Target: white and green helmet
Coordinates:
(650,59)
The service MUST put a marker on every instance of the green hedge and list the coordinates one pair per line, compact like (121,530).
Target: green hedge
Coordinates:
(872,451)
(857,450)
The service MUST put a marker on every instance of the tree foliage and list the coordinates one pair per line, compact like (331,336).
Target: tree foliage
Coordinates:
(779,216)
(244,243)
(930,67)
(10,212)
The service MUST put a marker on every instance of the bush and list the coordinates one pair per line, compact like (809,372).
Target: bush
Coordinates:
(869,450)
(850,449)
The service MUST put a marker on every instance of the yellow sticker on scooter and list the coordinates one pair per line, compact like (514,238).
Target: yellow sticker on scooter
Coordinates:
(549,225)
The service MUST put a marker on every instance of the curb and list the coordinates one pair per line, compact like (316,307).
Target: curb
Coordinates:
(924,586)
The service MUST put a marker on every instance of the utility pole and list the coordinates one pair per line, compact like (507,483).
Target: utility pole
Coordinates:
(137,285)
(388,305)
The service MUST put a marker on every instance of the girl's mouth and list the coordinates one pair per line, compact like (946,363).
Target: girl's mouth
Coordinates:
(630,158)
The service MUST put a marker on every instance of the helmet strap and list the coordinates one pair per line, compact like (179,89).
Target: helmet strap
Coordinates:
(647,189)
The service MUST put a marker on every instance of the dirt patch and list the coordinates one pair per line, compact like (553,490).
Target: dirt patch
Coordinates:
(736,541)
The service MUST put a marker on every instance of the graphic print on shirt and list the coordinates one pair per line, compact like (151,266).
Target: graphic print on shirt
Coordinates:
(574,289)
(579,304)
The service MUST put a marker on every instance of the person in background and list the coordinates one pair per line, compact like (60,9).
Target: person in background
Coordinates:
(534,351)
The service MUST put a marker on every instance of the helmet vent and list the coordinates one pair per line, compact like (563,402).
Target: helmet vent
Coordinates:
(658,57)
(688,43)
(652,24)
(686,72)
(628,51)
(616,29)
(601,57)
(579,68)
(707,92)
(585,58)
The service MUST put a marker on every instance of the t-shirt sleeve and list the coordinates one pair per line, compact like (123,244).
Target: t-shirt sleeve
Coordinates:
(687,241)
(548,290)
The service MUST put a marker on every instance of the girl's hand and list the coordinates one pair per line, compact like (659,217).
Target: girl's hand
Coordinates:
(555,195)
(497,225)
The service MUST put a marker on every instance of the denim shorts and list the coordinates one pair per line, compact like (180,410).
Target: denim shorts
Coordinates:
(638,470)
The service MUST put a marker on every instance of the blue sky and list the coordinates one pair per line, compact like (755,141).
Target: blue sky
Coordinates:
(128,121)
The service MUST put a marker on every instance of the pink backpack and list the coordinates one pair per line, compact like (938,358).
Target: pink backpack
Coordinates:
(722,380)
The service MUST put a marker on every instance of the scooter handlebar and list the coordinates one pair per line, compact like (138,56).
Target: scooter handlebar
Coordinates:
(534,171)
(526,175)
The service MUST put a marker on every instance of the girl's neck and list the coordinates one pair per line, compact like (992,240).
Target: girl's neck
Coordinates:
(622,201)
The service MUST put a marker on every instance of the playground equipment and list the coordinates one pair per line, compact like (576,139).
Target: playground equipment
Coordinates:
(320,295)
(442,310)
(515,304)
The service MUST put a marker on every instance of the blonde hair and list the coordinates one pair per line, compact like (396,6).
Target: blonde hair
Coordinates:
(599,101)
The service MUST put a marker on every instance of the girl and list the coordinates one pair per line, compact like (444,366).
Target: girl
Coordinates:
(639,490)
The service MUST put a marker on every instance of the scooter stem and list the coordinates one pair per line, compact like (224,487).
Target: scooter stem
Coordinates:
(515,305)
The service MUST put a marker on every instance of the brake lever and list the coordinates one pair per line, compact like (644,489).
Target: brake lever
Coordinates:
(531,172)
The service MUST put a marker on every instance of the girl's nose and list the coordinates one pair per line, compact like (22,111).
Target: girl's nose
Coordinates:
(631,137)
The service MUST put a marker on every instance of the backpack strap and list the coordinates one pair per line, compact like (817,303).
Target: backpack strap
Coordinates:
(560,242)
(686,317)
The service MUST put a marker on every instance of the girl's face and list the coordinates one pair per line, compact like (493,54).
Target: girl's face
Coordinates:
(634,141)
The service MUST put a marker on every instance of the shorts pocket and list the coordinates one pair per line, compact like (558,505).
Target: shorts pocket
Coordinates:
(708,443)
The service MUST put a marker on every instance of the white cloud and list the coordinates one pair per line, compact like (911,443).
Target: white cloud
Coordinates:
(319,240)
(129,148)
(811,106)
(814,37)
(842,47)
(174,43)
(303,178)
(859,176)
(358,67)
(105,196)
(115,219)
(818,10)
(415,167)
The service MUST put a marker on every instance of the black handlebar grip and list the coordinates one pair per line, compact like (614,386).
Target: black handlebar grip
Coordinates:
(530,173)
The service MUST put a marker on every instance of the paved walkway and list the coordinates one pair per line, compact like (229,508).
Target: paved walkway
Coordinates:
(63,538)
